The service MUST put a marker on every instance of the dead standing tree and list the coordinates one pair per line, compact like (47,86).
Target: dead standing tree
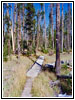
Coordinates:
(57,39)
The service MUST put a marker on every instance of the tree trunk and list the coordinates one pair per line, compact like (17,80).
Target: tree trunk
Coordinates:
(8,30)
(62,33)
(38,31)
(45,29)
(57,39)
(12,30)
(3,30)
(18,35)
(69,25)
(68,29)
(23,22)
(15,7)
(52,25)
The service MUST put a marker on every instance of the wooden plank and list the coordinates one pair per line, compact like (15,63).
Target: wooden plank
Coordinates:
(35,70)
(64,76)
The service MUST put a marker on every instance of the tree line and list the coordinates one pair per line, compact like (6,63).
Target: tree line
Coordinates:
(24,28)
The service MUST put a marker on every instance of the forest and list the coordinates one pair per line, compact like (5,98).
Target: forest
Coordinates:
(34,31)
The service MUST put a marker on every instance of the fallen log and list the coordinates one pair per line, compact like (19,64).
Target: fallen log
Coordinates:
(53,83)
(64,76)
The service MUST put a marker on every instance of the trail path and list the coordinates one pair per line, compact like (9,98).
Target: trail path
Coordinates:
(32,73)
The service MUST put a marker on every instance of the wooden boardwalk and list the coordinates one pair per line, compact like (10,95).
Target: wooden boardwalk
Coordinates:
(32,73)
(35,70)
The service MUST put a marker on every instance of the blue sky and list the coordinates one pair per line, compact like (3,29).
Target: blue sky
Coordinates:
(47,10)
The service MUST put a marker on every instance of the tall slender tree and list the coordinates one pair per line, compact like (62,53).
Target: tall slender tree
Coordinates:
(12,28)
(62,33)
(45,28)
(8,27)
(68,28)
(30,13)
(65,30)
(38,31)
(14,35)
(19,29)
(39,17)
(23,21)
(52,25)
(57,39)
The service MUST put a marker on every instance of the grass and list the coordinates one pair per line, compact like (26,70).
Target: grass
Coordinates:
(14,75)
(50,59)
(64,70)
(41,86)
(16,69)
(66,86)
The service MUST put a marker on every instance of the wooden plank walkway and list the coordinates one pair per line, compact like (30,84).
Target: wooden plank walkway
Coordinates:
(32,73)
(35,70)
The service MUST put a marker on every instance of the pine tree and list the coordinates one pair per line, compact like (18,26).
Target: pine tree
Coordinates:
(69,27)
(19,28)
(23,21)
(62,31)
(65,30)
(45,28)
(57,39)
(39,18)
(30,20)
(12,29)
(8,26)
(52,25)
(14,35)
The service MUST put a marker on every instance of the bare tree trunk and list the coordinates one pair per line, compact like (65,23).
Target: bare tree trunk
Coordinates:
(8,30)
(18,35)
(19,27)
(12,30)
(52,25)
(62,33)
(38,31)
(69,25)
(45,29)
(23,22)
(57,39)
(68,29)
(3,30)
(15,7)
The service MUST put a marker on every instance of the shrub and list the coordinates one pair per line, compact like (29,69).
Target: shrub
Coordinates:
(5,52)
(64,66)
(44,50)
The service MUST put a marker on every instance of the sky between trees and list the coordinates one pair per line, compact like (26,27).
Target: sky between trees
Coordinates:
(47,10)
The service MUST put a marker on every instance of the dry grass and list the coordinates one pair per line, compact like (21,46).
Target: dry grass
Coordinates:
(50,59)
(14,75)
(41,86)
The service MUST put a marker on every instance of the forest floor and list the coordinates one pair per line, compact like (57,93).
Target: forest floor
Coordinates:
(14,76)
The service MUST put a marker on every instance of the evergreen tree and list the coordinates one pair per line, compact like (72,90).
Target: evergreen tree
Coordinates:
(19,28)
(30,21)
(14,35)
(8,28)
(57,39)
